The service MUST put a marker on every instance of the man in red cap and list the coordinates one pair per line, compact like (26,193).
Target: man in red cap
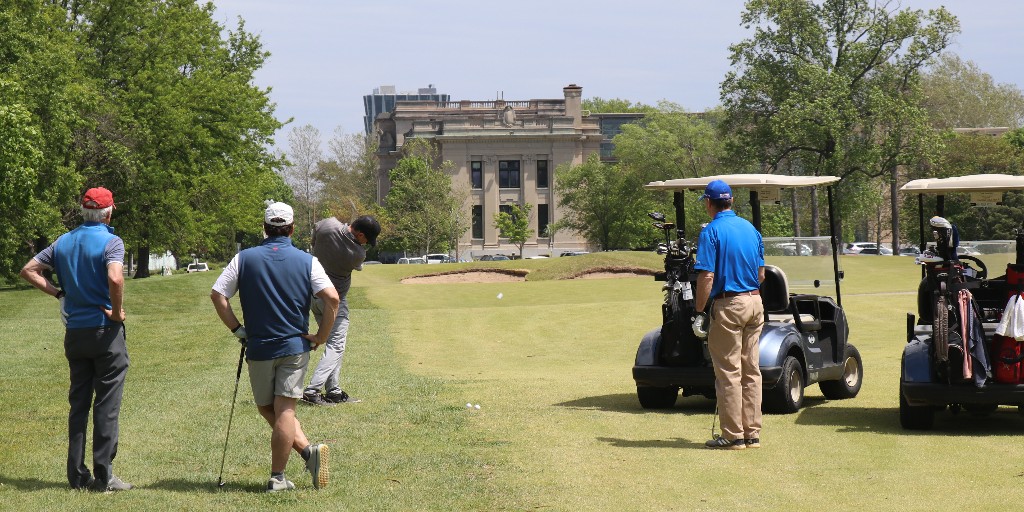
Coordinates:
(88,263)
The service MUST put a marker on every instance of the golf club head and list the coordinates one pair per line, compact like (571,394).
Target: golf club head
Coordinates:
(220,484)
(668,225)
(659,225)
(658,216)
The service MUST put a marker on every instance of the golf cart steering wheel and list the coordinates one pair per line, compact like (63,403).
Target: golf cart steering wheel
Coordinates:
(982,269)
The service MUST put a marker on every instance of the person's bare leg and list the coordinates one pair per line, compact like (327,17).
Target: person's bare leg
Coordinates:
(300,443)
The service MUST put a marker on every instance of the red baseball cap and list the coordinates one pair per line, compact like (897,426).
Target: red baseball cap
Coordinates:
(97,198)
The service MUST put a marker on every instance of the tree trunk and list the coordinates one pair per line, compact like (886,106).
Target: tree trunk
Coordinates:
(142,267)
(895,206)
(796,214)
(815,217)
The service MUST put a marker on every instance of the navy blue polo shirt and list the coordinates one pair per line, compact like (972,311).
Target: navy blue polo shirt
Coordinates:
(731,248)
(274,286)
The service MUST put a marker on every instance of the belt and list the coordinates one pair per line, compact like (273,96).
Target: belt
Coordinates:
(737,294)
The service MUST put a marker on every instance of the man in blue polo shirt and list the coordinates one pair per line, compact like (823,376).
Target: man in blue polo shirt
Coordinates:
(730,261)
(88,262)
(275,282)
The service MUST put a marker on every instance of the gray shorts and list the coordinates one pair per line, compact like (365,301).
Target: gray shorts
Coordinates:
(278,377)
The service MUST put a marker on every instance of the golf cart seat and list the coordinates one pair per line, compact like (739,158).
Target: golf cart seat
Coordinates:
(780,306)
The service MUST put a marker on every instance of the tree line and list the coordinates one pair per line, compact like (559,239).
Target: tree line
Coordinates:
(153,100)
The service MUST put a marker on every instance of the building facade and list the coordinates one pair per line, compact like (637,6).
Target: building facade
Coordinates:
(505,152)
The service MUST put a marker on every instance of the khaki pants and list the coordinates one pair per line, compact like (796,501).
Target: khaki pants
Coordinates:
(734,342)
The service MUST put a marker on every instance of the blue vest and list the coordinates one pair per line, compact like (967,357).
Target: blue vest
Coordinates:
(274,287)
(80,267)
(731,248)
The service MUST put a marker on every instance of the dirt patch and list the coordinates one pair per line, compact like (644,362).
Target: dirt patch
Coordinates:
(613,272)
(489,275)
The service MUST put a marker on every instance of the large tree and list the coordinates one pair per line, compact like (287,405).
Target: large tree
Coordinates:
(349,175)
(833,85)
(605,206)
(957,94)
(424,211)
(515,225)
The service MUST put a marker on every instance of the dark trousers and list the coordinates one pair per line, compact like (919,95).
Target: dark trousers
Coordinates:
(98,359)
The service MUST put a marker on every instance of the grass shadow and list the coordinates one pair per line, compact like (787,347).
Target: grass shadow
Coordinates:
(886,420)
(651,443)
(208,487)
(627,403)
(33,484)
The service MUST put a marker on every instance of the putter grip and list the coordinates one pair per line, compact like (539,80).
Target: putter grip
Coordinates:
(241,357)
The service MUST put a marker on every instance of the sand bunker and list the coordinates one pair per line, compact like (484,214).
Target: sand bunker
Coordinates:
(613,272)
(489,275)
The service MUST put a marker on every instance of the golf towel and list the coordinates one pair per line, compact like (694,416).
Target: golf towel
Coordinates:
(1012,323)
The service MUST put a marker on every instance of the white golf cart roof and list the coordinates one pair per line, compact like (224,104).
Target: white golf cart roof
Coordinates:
(973,183)
(755,181)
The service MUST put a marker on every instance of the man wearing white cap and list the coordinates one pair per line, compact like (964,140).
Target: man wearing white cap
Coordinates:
(274,282)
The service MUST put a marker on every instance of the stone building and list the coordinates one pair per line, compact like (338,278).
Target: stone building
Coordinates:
(505,152)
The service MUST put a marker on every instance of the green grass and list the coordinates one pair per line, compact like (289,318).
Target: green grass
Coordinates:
(559,426)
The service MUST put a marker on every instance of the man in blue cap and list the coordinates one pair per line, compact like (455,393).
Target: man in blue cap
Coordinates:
(730,262)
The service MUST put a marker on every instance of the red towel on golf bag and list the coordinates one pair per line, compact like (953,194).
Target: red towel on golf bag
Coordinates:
(1009,368)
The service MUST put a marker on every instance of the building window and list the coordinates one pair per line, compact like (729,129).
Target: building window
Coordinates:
(542,174)
(542,218)
(505,208)
(508,173)
(476,173)
(478,221)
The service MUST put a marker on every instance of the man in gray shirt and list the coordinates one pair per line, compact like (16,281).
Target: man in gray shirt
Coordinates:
(339,247)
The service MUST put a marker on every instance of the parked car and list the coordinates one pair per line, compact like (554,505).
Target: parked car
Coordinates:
(438,258)
(860,247)
(371,262)
(197,267)
(884,251)
(574,253)
(500,257)
(412,261)
(910,251)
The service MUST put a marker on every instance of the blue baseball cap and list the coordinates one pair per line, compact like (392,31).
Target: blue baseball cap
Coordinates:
(717,189)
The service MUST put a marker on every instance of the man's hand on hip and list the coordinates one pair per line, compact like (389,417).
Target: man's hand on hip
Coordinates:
(116,317)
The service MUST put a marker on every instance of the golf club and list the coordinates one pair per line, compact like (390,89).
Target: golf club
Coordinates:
(238,376)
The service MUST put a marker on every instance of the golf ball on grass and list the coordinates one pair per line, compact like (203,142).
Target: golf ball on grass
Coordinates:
(477,406)
(499,296)
(469,406)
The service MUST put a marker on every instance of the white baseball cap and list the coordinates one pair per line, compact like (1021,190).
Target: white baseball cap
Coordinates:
(279,214)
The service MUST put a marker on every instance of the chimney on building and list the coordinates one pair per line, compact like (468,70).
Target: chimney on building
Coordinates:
(574,104)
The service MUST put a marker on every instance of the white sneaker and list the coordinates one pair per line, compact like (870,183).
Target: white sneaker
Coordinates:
(275,485)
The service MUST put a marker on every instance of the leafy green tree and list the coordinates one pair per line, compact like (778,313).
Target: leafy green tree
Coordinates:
(615,105)
(833,85)
(957,94)
(421,207)
(349,175)
(42,93)
(515,225)
(177,115)
(604,205)
(965,154)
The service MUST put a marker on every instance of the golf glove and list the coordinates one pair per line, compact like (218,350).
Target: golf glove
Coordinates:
(700,325)
(240,333)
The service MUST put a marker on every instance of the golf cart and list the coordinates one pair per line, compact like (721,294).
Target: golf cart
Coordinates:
(804,339)
(956,353)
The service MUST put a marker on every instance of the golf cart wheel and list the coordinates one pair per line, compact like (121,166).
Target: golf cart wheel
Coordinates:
(788,394)
(657,398)
(849,384)
(915,417)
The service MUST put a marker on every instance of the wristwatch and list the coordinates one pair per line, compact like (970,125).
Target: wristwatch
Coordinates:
(60,294)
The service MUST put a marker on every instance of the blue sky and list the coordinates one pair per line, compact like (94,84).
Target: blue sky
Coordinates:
(327,54)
